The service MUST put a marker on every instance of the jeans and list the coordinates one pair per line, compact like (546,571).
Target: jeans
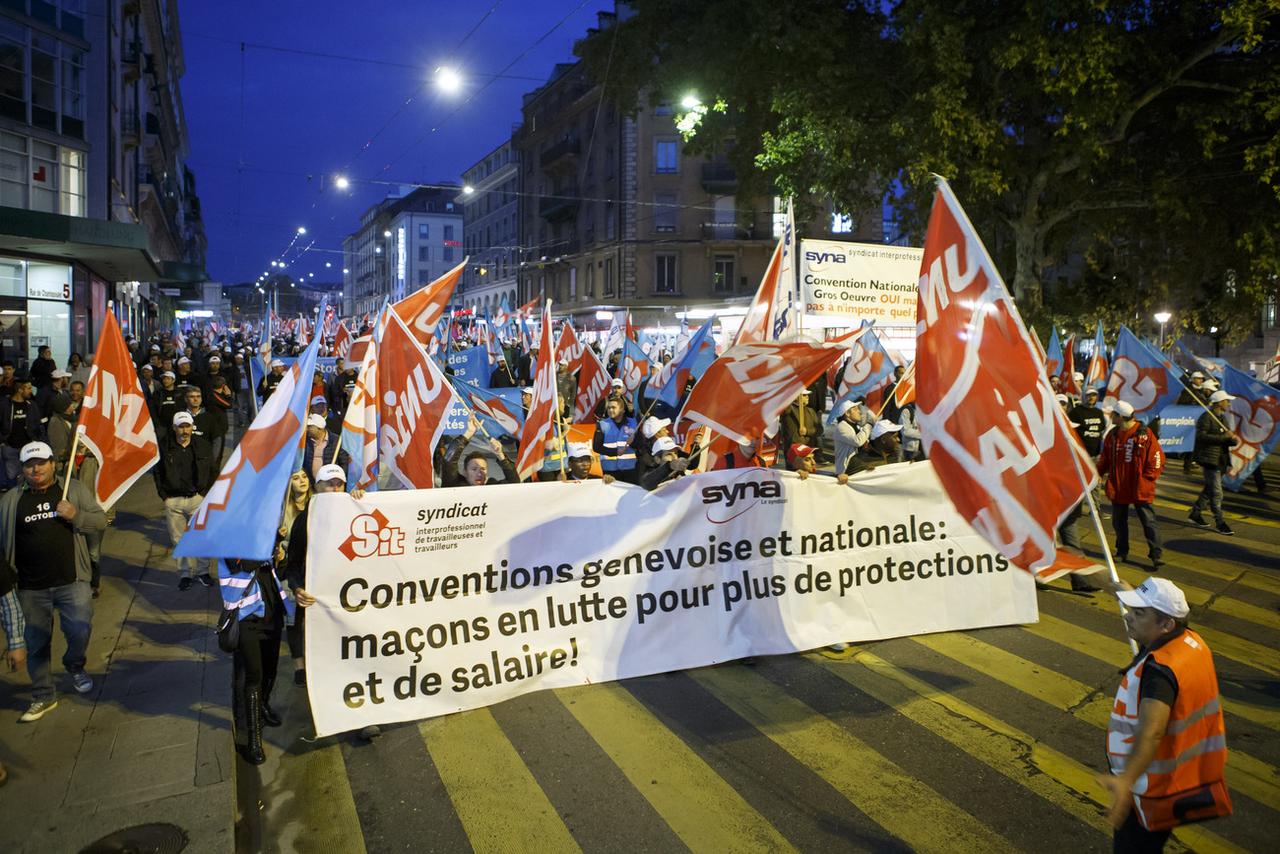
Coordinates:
(12,464)
(243,410)
(1067,530)
(74,604)
(178,512)
(1211,495)
(1147,516)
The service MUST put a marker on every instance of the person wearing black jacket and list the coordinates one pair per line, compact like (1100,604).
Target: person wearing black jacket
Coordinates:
(20,422)
(476,464)
(671,464)
(165,403)
(1213,452)
(183,476)
(43,367)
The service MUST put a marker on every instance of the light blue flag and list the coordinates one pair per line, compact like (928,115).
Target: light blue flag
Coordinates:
(1053,355)
(1255,417)
(689,364)
(500,410)
(239,516)
(1142,377)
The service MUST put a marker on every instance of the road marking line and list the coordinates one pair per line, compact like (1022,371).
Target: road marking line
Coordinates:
(1115,651)
(696,803)
(318,775)
(1250,776)
(1230,514)
(1077,792)
(498,801)
(1198,597)
(879,787)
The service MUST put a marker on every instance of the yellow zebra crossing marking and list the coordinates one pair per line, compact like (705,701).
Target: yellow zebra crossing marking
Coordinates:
(500,804)
(1251,776)
(1115,651)
(887,794)
(1233,515)
(696,803)
(1062,780)
(324,777)
(1198,597)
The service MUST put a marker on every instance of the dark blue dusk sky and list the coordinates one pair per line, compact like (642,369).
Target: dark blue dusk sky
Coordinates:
(312,116)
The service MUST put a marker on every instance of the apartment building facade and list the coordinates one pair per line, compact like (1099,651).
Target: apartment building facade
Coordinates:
(490,202)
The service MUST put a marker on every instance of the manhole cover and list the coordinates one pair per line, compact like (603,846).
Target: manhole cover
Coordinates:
(141,839)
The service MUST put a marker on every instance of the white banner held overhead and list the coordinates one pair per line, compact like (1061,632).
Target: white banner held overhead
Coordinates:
(860,281)
(434,601)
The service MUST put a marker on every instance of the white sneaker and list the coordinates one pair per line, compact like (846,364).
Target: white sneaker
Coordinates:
(82,681)
(37,710)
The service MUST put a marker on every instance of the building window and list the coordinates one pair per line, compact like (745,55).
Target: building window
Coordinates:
(448,232)
(72,92)
(448,253)
(589,290)
(71,182)
(666,212)
(608,277)
(663,108)
(610,222)
(722,274)
(13,70)
(424,231)
(666,156)
(841,223)
(44,176)
(779,216)
(664,273)
(13,170)
(424,254)
(573,283)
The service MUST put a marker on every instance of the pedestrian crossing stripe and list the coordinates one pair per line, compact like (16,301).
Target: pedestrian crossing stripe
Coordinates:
(484,776)
(899,802)
(1061,780)
(695,802)
(1250,776)
(1116,653)
(338,824)
(1234,516)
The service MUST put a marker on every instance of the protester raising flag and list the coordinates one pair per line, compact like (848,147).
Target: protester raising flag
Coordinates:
(1096,375)
(360,422)
(634,367)
(1142,377)
(342,340)
(115,424)
(413,406)
(690,363)
(422,309)
(239,515)
(868,372)
(540,420)
(1000,444)
(744,391)
(593,379)
(1255,419)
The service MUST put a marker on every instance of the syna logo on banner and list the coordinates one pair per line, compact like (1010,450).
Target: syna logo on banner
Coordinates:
(728,501)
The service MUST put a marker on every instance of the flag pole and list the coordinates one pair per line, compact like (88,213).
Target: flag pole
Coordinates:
(911,369)
(1204,406)
(71,462)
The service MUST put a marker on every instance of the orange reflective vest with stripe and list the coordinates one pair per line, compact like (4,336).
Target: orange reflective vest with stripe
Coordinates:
(1185,780)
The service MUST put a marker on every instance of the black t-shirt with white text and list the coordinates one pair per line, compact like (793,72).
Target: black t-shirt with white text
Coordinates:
(18,426)
(43,542)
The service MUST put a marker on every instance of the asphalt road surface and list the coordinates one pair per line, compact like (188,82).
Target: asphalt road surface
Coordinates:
(971,741)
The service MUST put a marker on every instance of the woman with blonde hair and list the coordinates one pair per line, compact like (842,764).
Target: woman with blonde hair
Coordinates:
(295,504)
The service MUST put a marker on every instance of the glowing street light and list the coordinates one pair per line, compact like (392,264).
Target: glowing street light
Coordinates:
(345,271)
(342,182)
(386,233)
(327,265)
(467,189)
(448,80)
(1162,317)
(302,229)
(690,102)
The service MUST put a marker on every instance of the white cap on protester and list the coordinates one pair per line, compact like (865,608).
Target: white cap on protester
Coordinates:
(1159,593)
(1195,374)
(1061,398)
(35,451)
(652,425)
(59,374)
(884,426)
(183,418)
(215,358)
(184,361)
(318,399)
(1211,384)
(664,444)
(331,472)
(617,383)
(578,450)
(315,419)
(1123,408)
(1078,377)
(842,407)
(1219,396)
(276,363)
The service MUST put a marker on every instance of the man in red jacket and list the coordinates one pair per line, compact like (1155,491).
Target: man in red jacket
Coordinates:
(1132,461)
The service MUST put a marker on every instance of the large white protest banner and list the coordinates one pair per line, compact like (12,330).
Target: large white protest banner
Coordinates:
(860,281)
(433,601)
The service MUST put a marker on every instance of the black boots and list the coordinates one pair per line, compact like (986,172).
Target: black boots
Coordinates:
(253,735)
(269,716)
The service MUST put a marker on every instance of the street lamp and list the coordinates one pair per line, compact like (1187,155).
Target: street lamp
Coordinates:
(302,229)
(467,189)
(341,182)
(690,102)
(1162,317)
(448,80)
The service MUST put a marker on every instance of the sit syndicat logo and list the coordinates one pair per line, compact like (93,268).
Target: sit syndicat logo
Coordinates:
(372,534)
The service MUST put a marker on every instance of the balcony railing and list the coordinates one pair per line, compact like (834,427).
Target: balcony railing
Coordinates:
(719,178)
(563,152)
(733,231)
(559,207)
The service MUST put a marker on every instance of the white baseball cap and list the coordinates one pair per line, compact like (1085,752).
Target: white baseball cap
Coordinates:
(183,418)
(842,407)
(1124,409)
(652,425)
(59,374)
(527,390)
(1091,391)
(184,361)
(1195,374)
(1211,384)
(315,419)
(664,444)
(1159,593)
(579,449)
(169,374)
(1078,377)
(1061,398)
(617,383)
(276,363)
(1220,395)
(215,358)
(331,472)
(319,398)
(35,451)
(884,426)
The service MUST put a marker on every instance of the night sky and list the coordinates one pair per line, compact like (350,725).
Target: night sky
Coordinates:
(307,118)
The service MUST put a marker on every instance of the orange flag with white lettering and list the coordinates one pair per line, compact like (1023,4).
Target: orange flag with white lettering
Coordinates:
(539,424)
(414,400)
(421,310)
(115,424)
(1000,444)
